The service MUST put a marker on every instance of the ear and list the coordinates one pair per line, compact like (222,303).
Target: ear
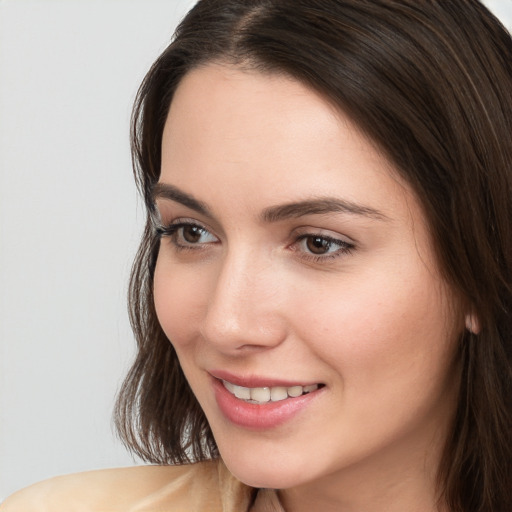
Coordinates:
(472,323)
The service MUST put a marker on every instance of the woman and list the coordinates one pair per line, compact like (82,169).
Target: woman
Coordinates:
(323,293)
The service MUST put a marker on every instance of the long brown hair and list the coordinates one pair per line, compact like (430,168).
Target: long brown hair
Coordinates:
(430,82)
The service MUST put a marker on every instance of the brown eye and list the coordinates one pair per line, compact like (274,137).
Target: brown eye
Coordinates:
(317,245)
(185,235)
(322,247)
(192,234)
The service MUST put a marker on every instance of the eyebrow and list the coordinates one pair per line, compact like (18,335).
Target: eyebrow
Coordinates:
(314,206)
(165,191)
(319,206)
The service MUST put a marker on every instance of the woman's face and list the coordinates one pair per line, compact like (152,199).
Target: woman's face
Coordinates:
(293,259)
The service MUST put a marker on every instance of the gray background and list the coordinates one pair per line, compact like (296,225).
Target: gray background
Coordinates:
(69,223)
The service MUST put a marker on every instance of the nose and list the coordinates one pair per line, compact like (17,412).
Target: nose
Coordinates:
(246,304)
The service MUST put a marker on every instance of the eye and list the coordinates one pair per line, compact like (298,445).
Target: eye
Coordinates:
(320,247)
(194,234)
(186,235)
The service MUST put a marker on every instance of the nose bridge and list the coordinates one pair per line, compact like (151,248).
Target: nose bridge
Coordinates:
(244,306)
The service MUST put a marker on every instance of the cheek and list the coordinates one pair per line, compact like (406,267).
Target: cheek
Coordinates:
(177,297)
(381,333)
(390,354)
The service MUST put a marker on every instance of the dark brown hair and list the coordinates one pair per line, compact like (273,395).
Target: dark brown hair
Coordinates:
(430,82)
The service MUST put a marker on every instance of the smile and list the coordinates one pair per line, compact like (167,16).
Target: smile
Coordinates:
(261,403)
(264,395)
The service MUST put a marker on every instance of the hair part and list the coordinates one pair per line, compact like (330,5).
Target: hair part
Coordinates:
(430,83)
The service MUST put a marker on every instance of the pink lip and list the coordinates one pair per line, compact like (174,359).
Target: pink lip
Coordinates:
(259,416)
(254,381)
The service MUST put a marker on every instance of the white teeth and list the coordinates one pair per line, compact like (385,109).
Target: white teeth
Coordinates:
(260,394)
(295,391)
(243,393)
(278,393)
(230,387)
(266,394)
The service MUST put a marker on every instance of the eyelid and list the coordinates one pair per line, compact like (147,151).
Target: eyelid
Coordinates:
(160,224)
(323,233)
(171,231)
(345,245)
(164,213)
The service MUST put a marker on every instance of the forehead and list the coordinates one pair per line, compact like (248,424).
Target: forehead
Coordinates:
(262,127)
(247,104)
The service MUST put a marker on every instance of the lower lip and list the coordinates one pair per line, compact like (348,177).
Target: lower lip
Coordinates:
(260,416)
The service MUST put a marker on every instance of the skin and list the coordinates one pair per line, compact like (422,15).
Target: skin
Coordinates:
(376,324)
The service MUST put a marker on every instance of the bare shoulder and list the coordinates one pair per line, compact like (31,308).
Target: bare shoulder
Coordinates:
(123,489)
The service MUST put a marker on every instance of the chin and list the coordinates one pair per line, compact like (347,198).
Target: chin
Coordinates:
(265,479)
(266,472)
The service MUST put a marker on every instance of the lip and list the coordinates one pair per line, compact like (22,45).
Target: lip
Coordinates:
(255,381)
(259,416)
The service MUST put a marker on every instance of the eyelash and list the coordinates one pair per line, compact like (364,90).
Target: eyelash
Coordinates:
(344,247)
(172,231)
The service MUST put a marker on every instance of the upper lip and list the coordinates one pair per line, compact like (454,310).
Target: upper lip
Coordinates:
(256,381)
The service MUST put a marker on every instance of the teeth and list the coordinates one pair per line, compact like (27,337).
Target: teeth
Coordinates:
(278,393)
(264,395)
(230,387)
(295,391)
(260,394)
(243,393)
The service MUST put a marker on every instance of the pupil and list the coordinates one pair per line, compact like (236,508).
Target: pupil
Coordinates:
(191,234)
(317,245)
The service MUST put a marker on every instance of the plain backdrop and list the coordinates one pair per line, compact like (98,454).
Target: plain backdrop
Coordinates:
(69,223)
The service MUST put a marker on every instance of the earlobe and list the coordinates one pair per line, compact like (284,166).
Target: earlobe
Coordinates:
(472,323)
